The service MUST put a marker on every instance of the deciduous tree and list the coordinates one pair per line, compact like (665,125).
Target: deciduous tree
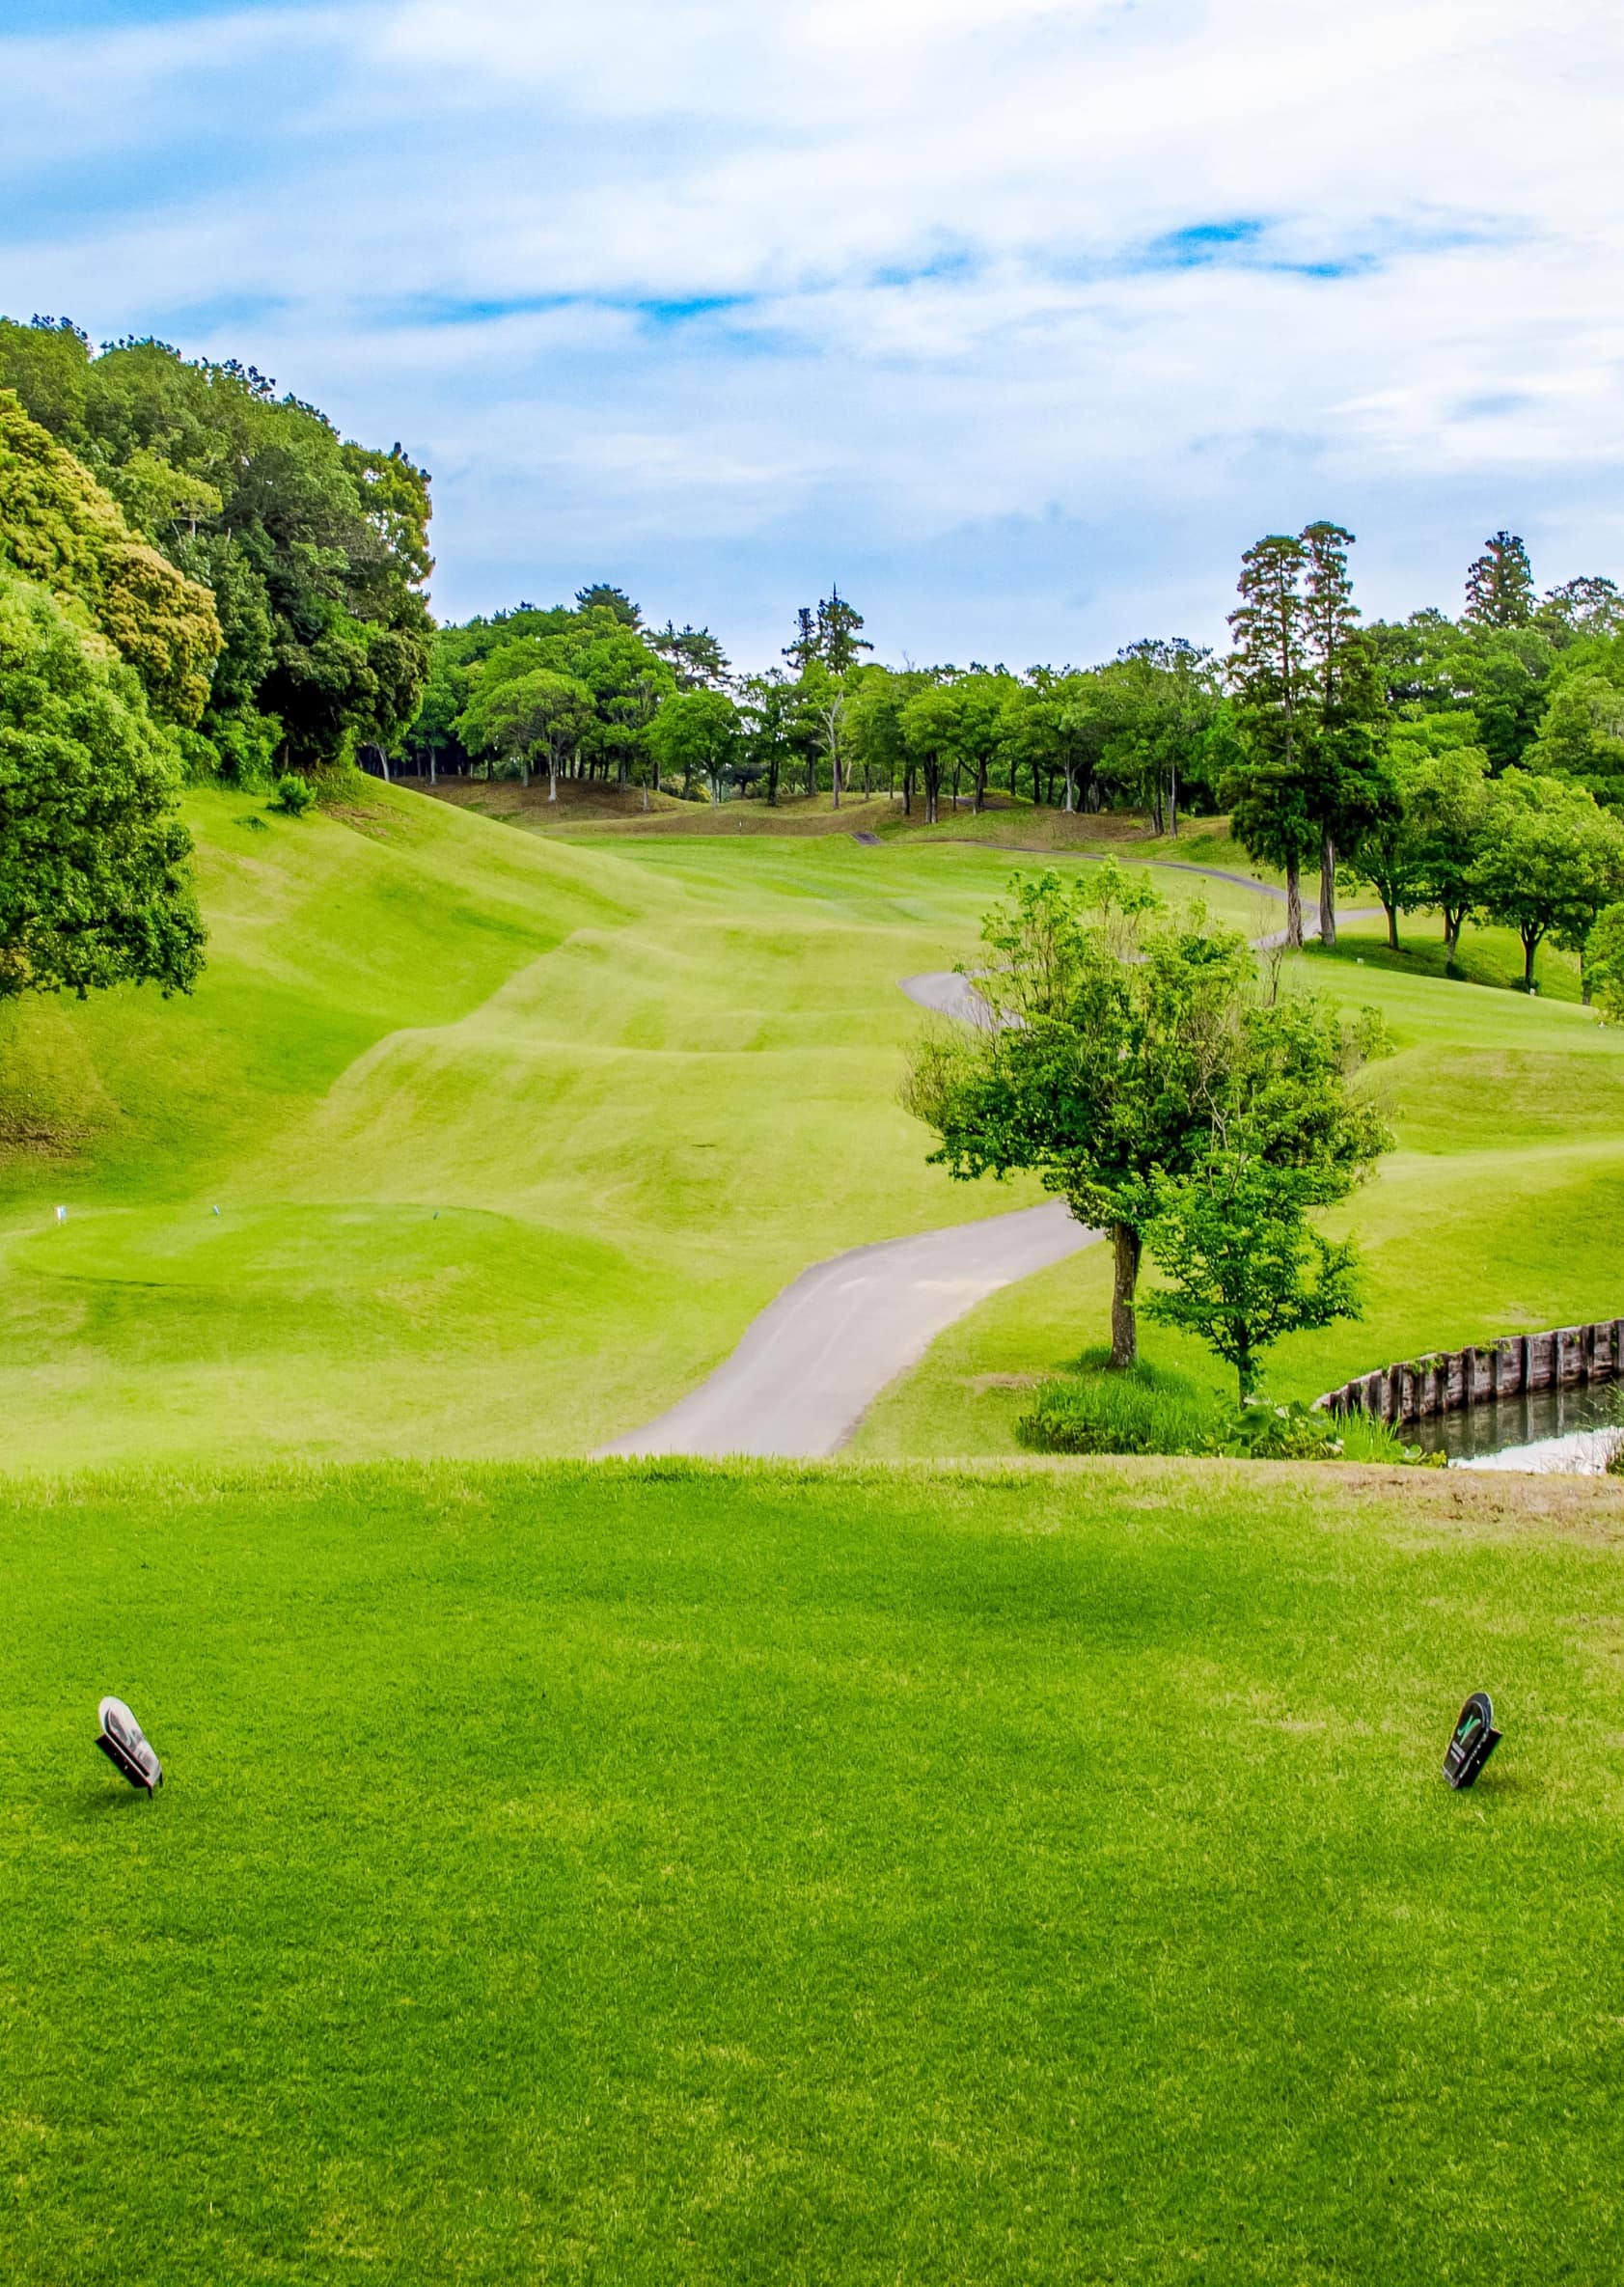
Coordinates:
(96,884)
(1124,1044)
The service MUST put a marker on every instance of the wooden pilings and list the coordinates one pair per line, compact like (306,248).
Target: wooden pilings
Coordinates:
(1447,1380)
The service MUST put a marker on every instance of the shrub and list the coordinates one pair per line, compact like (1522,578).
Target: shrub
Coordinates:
(1259,1431)
(1136,1409)
(293,794)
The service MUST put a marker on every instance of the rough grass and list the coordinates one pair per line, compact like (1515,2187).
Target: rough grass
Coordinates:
(675,1874)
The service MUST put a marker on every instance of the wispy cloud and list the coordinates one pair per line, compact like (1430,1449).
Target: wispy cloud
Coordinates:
(1022,319)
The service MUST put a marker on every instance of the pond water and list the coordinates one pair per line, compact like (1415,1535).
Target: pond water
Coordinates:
(1545,1429)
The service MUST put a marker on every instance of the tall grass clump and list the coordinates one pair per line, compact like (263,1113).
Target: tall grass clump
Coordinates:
(1138,1409)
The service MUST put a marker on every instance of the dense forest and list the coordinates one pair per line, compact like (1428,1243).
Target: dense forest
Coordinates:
(201,579)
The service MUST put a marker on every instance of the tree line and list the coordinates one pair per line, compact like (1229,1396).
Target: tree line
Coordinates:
(208,573)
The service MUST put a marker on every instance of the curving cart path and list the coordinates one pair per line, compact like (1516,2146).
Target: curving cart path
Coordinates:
(815,1361)
(811,1366)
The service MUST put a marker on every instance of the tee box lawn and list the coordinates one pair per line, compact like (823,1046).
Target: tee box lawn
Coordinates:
(706,1875)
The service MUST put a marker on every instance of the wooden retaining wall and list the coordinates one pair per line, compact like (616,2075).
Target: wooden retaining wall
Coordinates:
(1448,1379)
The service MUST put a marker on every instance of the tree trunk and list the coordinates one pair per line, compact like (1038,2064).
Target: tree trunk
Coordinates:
(1173,802)
(645,793)
(1391,912)
(1327,890)
(1125,1248)
(552,778)
(1293,906)
(1531,946)
(434,757)
(1070,788)
(980,787)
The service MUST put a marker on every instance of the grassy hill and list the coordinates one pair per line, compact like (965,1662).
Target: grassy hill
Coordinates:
(736,1876)
(509,1140)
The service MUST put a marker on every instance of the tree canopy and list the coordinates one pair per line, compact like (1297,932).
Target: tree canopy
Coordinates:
(94,864)
(314,550)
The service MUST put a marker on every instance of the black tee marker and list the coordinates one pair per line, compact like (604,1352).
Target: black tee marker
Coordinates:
(1475,1741)
(126,1745)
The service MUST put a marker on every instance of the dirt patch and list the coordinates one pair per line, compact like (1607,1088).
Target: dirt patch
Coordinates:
(378,825)
(29,1134)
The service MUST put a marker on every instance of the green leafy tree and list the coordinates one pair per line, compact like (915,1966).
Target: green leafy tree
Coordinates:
(1244,1264)
(315,549)
(1351,788)
(600,596)
(1551,862)
(1123,1044)
(1580,734)
(58,527)
(839,636)
(1502,674)
(983,696)
(1606,963)
(696,735)
(1579,609)
(516,718)
(1164,702)
(695,657)
(770,716)
(1421,851)
(96,884)
(1499,588)
(933,735)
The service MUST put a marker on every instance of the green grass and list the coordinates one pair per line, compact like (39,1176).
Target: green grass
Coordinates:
(686,1875)
(509,1140)
(1501,1212)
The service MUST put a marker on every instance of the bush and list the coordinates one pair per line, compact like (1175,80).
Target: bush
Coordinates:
(1149,1410)
(1261,1432)
(293,794)
(1137,1411)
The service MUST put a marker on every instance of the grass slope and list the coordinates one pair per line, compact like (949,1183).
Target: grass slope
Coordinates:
(509,1140)
(801,1875)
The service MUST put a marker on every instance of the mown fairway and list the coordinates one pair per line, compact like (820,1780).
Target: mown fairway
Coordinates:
(509,1141)
(581,1874)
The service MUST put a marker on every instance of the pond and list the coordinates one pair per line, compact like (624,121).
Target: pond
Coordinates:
(1568,1430)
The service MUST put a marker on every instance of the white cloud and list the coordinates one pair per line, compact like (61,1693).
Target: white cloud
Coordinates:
(949,231)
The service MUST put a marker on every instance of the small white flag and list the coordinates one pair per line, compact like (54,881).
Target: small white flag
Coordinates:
(62,1215)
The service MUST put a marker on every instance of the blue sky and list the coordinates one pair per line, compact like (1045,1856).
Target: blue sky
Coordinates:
(1019,321)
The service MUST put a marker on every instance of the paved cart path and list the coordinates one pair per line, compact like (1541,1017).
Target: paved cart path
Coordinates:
(811,1366)
(815,1361)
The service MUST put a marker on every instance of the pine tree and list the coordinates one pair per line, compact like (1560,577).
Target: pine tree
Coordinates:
(839,641)
(805,646)
(1499,588)
(1269,794)
(1349,783)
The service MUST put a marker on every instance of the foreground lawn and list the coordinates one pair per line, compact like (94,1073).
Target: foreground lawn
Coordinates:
(674,1875)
